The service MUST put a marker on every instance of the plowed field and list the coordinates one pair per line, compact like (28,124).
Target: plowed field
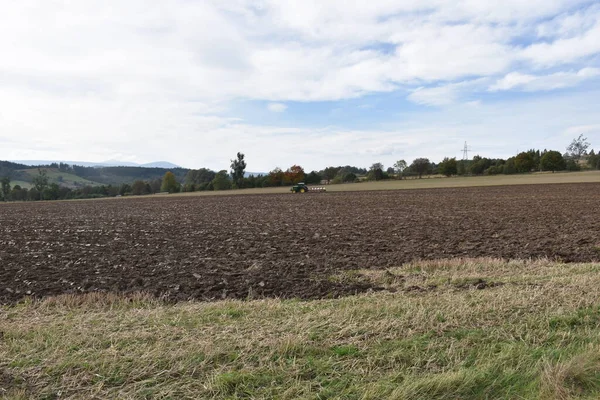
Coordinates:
(288,245)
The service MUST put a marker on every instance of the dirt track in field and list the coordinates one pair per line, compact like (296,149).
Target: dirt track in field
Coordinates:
(289,245)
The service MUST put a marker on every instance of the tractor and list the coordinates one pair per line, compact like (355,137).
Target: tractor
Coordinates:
(299,188)
(302,188)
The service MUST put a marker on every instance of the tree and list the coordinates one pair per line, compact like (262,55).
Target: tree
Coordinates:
(5,187)
(448,166)
(52,192)
(294,174)
(552,161)
(524,162)
(375,172)
(594,160)
(169,183)
(199,176)
(124,189)
(420,166)
(275,177)
(40,181)
(349,177)
(221,181)
(313,178)
(238,167)
(509,167)
(573,165)
(140,187)
(399,167)
(578,147)
(18,194)
(330,172)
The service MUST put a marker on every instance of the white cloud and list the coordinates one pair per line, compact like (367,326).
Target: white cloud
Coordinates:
(93,78)
(574,131)
(533,83)
(445,94)
(564,50)
(276,107)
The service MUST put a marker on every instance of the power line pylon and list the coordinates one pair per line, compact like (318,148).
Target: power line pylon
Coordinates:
(466,151)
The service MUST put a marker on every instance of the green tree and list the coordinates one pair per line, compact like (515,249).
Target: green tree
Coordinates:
(313,178)
(52,192)
(40,182)
(221,181)
(18,193)
(375,172)
(238,167)
(552,161)
(573,165)
(509,167)
(461,168)
(5,187)
(578,147)
(169,183)
(399,167)
(139,188)
(594,160)
(448,166)
(330,172)
(420,166)
(524,162)
(349,177)
(124,189)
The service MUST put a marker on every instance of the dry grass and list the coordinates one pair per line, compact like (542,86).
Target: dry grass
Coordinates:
(530,331)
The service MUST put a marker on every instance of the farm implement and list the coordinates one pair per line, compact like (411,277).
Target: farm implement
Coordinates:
(303,188)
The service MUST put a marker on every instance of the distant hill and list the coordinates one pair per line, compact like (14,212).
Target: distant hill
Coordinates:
(160,164)
(108,163)
(247,174)
(75,174)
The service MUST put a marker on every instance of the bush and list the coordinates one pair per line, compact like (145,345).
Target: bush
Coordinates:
(494,170)
(350,177)
(509,167)
(572,165)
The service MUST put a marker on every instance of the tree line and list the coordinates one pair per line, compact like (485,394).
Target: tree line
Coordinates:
(575,158)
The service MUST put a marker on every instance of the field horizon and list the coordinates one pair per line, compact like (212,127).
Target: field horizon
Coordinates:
(537,178)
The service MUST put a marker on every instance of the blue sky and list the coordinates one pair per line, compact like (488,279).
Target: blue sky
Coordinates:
(314,83)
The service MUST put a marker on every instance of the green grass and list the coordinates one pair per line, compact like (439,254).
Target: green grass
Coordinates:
(533,334)
(68,179)
(23,184)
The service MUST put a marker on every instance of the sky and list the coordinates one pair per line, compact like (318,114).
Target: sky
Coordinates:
(312,82)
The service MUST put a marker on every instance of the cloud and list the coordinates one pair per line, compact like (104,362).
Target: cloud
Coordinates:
(532,83)
(564,50)
(574,131)
(276,107)
(446,94)
(92,78)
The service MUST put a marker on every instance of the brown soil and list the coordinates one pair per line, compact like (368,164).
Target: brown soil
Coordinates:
(289,245)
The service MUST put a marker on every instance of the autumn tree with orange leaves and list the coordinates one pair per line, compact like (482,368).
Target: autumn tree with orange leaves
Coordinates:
(294,174)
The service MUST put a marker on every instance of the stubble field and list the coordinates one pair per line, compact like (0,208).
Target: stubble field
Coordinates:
(287,246)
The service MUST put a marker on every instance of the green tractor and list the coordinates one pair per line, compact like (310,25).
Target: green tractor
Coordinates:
(299,188)
(302,188)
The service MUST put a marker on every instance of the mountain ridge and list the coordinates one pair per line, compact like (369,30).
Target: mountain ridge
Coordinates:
(108,163)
